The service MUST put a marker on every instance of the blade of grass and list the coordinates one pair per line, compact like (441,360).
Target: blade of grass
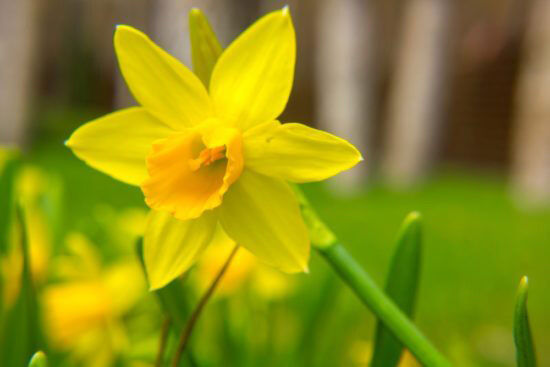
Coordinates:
(382,306)
(171,297)
(401,287)
(525,349)
(324,241)
(21,334)
(197,311)
(38,360)
(7,186)
(174,303)
(164,332)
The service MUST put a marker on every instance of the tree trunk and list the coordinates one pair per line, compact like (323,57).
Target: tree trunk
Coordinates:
(415,103)
(346,77)
(17,37)
(531,154)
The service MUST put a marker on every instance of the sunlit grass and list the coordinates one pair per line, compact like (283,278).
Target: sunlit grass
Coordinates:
(477,245)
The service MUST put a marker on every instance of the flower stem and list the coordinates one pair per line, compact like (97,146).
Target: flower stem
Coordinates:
(324,240)
(165,329)
(382,306)
(186,333)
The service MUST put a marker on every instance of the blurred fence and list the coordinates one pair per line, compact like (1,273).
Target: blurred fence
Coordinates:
(416,84)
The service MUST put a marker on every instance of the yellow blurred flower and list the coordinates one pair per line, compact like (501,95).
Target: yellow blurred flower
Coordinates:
(83,312)
(29,190)
(244,270)
(122,226)
(361,352)
(205,156)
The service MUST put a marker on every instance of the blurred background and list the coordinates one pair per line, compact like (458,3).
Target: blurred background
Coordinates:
(449,102)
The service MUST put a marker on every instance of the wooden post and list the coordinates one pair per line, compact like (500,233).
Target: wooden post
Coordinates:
(531,151)
(17,40)
(414,117)
(345,77)
(134,13)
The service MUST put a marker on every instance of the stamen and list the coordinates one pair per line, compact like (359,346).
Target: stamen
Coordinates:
(207,156)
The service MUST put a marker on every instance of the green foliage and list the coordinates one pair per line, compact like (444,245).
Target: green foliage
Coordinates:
(525,349)
(7,186)
(358,280)
(39,360)
(21,332)
(319,234)
(172,297)
(476,242)
(401,287)
(174,301)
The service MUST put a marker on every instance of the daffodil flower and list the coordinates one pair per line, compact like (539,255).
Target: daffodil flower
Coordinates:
(217,156)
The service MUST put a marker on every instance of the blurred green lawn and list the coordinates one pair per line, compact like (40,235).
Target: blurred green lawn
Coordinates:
(477,246)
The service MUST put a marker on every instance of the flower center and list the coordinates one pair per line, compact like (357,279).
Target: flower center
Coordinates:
(206,157)
(213,161)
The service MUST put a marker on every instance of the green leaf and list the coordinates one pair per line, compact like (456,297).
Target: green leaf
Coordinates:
(38,360)
(373,297)
(205,47)
(7,186)
(525,349)
(21,334)
(171,297)
(401,287)
(175,305)
(50,204)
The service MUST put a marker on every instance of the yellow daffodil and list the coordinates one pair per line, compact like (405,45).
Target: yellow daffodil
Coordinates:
(29,191)
(84,311)
(204,156)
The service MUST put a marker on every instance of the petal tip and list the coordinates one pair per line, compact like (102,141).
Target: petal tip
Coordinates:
(123,29)
(158,281)
(155,286)
(285,12)
(152,288)
(120,27)
(195,11)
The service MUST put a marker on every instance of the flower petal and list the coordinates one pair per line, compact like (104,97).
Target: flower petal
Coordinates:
(252,79)
(118,143)
(159,82)
(205,47)
(296,152)
(171,246)
(261,213)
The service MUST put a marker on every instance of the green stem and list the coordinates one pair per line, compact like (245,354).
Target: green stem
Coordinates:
(382,306)
(366,289)
(188,330)
(165,329)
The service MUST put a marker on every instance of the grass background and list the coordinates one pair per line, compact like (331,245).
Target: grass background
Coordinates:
(477,246)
